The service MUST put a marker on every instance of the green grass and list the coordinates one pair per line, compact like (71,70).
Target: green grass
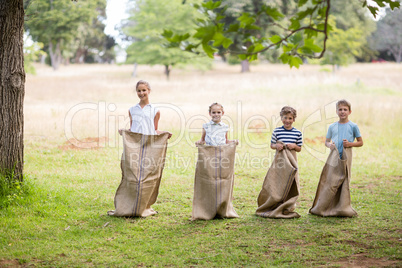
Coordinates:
(63,221)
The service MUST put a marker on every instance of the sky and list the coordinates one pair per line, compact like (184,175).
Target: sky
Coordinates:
(115,12)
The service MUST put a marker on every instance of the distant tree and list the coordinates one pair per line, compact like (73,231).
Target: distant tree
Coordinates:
(56,23)
(388,36)
(91,43)
(32,52)
(343,46)
(145,25)
(298,39)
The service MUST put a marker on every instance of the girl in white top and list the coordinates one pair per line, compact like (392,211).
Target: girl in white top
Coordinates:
(144,117)
(215,132)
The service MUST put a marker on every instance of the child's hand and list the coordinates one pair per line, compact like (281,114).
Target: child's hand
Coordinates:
(346,143)
(279,147)
(332,146)
(170,134)
(200,142)
(234,141)
(121,131)
(291,146)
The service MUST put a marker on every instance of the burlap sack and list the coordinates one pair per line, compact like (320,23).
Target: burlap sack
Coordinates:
(213,186)
(142,164)
(280,189)
(333,194)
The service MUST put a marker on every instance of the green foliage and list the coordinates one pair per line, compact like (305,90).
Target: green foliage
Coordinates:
(343,46)
(32,52)
(145,28)
(388,36)
(58,22)
(12,191)
(295,35)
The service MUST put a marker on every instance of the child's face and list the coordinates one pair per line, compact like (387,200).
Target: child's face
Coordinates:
(142,92)
(216,113)
(343,112)
(287,120)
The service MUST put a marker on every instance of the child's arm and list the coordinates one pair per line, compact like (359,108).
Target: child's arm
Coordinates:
(202,140)
(156,123)
(231,141)
(293,146)
(276,146)
(357,143)
(329,144)
(156,120)
(131,123)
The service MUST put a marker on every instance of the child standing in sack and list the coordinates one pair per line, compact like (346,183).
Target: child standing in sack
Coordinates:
(215,132)
(280,189)
(214,173)
(142,144)
(333,194)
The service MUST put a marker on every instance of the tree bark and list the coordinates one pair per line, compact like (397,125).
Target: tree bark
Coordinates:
(245,66)
(55,55)
(12,88)
(167,71)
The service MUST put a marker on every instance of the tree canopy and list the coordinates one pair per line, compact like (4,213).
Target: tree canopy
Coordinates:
(145,25)
(298,38)
(388,36)
(66,26)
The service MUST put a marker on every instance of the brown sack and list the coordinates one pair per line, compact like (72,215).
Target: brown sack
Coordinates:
(333,194)
(280,189)
(213,186)
(141,165)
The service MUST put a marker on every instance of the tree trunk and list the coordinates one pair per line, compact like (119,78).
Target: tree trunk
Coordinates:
(134,74)
(55,55)
(167,71)
(12,88)
(245,66)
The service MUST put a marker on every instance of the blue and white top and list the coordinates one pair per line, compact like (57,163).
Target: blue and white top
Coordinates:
(337,132)
(215,133)
(143,119)
(287,136)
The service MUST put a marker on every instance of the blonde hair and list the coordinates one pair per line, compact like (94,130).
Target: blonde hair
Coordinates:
(288,110)
(143,82)
(213,104)
(343,103)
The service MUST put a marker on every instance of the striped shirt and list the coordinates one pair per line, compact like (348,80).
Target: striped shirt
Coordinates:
(287,136)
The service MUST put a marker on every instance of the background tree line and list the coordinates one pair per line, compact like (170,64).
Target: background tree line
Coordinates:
(69,31)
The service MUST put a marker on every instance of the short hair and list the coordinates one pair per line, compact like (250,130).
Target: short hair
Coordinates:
(288,110)
(213,104)
(343,103)
(143,82)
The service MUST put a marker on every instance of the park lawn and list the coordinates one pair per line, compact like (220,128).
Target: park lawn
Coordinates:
(63,222)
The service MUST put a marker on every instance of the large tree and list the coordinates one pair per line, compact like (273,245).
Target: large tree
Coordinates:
(12,88)
(145,25)
(298,39)
(388,37)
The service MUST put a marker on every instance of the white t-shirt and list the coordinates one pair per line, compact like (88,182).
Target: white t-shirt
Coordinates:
(143,119)
(215,133)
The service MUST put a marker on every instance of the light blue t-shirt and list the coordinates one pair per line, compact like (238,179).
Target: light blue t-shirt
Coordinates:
(338,132)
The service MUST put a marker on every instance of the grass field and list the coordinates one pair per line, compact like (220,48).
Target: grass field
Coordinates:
(61,221)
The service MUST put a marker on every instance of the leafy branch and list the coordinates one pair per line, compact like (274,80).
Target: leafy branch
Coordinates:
(295,36)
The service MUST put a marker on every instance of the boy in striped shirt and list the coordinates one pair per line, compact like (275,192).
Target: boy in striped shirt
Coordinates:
(290,136)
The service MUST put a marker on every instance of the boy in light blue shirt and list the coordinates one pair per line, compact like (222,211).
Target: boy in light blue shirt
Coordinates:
(343,133)
(332,198)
